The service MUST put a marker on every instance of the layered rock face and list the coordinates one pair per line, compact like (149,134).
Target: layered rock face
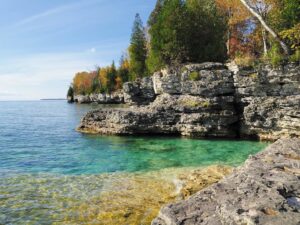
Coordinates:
(202,107)
(207,100)
(266,191)
(114,98)
(269,101)
(140,92)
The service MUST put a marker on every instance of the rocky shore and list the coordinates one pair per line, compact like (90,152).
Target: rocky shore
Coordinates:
(265,190)
(101,98)
(207,100)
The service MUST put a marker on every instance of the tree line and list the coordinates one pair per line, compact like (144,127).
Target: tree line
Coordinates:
(195,31)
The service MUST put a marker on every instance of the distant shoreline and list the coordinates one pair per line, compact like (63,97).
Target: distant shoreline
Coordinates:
(53,99)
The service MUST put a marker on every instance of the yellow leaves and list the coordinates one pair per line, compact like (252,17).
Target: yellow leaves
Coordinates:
(82,82)
(292,36)
(234,9)
(103,76)
(119,83)
(125,64)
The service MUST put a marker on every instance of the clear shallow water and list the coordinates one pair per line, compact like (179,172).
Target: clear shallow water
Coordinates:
(49,173)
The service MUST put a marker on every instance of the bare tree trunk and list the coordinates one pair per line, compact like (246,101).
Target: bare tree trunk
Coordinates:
(228,42)
(265,26)
(264,41)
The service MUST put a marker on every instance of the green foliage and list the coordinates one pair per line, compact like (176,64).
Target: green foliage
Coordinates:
(186,31)
(194,76)
(102,80)
(295,57)
(290,13)
(137,50)
(275,56)
(70,92)
(154,62)
(292,37)
(207,31)
(123,71)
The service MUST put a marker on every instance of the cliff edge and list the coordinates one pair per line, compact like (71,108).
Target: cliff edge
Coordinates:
(207,100)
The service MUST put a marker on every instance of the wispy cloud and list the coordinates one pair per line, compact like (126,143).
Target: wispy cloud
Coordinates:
(54,11)
(43,75)
(92,50)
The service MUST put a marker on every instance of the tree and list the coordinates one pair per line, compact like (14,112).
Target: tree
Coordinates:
(207,31)
(248,5)
(237,18)
(70,93)
(137,49)
(123,71)
(111,75)
(290,13)
(186,31)
(155,13)
(83,83)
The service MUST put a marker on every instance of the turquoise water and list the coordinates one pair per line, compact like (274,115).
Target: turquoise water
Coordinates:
(41,137)
(40,152)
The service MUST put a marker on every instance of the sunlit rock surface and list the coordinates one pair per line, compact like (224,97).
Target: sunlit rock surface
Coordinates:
(266,191)
(208,100)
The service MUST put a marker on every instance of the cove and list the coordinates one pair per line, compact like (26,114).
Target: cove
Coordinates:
(51,174)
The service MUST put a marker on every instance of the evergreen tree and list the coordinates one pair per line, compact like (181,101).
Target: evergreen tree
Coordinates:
(123,71)
(186,31)
(290,13)
(137,50)
(112,75)
(207,31)
(155,13)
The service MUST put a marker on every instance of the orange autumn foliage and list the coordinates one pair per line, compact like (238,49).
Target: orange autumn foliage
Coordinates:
(83,82)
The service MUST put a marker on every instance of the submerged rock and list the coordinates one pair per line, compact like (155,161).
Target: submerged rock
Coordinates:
(266,190)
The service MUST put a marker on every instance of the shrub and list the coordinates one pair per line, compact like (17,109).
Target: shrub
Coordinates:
(295,57)
(246,60)
(194,76)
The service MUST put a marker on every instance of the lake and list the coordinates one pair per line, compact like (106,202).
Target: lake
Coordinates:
(51,174)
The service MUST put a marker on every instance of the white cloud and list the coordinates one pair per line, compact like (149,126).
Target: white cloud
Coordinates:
(42,75)
(92,50)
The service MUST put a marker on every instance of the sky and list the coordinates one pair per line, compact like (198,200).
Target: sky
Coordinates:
(44,43)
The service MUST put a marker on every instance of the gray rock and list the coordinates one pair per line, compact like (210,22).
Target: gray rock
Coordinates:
(82,99)
(266,191)
(140,92)
(101,98)
(168,114)
(209,100)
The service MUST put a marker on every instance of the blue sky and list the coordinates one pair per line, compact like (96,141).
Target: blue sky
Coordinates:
(44,43)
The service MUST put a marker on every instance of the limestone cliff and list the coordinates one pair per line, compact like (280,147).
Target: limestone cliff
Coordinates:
(207,100)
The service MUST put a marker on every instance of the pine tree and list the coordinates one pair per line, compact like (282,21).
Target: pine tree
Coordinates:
(186,31)
(137,50)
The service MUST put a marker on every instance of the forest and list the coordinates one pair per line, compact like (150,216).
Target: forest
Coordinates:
(248,32)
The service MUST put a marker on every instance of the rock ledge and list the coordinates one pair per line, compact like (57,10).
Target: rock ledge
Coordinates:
(266,190)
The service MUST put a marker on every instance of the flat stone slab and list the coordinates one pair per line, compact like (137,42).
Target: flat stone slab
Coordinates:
(265,190)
